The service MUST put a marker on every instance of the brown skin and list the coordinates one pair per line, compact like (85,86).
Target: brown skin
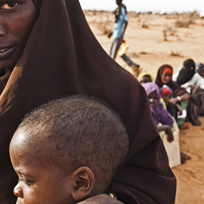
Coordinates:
(14,33)
(153,100)
(38,183)
(166,78)
(118,2)
(201,73)
(43,183)
(167,98)
(178,107)
(168,131)
(145,79)
(101,199)
(184,97)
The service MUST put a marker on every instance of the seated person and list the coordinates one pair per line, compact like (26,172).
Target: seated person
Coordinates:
(198,66)
(187,76)
(145,77)
(197,81)
(159,113)
(193,82)
(180,95)
(174,110)
(67,151)
(185,73)
(167,94)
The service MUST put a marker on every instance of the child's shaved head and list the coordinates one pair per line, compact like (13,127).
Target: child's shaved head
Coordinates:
(73,132)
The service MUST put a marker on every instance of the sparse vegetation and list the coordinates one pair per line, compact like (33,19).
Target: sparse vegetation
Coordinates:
(105,28)
(168,31)
(133,14)
(144,25)
(175,54)
(134,55)
(143,53)
(187,19)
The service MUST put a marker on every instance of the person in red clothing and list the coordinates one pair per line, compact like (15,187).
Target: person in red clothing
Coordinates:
(180,95)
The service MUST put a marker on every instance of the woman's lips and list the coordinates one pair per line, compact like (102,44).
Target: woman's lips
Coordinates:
(6,51)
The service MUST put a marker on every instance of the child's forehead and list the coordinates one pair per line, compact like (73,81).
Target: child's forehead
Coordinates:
(153,93)
(167,94)
(147,75)
(22,141)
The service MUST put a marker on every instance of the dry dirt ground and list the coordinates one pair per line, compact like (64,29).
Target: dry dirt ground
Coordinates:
(155,40)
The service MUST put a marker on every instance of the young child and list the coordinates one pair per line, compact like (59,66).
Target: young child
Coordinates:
(67,151)
(159,113)
(166,94)
(145,77)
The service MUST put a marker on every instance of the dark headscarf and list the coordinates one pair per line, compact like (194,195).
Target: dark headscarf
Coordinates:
(62,57)
(187,72)
(177,90)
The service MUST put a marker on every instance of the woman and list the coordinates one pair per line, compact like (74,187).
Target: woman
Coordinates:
(185,73)
(62,57)
(193,82)
(180,95)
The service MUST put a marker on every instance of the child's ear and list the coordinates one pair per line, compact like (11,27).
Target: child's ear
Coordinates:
(84,183)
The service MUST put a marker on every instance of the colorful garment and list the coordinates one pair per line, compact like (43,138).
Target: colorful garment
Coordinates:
(159,113)
(145,74)
(120,18)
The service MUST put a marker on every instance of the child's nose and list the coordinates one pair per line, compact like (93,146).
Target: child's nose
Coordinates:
(151,100)
(18,191)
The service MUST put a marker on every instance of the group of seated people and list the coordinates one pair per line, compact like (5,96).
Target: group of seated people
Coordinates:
(175,97)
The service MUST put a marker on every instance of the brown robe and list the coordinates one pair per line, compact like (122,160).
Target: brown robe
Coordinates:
(62,57)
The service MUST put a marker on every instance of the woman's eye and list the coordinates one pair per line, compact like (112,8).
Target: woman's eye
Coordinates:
(9,6)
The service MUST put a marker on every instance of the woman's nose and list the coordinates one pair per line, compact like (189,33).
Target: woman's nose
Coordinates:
(18,191)
(2,30)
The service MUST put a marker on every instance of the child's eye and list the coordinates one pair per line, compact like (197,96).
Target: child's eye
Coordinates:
(8,5)
(26,181)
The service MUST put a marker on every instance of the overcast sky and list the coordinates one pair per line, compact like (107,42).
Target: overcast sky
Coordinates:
(147,5)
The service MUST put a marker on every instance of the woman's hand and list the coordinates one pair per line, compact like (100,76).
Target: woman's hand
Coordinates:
(173,101)
(180,110)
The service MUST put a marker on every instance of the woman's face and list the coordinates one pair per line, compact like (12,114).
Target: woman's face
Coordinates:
(16,21)
(166,78)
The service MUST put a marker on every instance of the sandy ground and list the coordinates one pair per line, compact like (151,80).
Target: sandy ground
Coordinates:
(190,176)
(154,40)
